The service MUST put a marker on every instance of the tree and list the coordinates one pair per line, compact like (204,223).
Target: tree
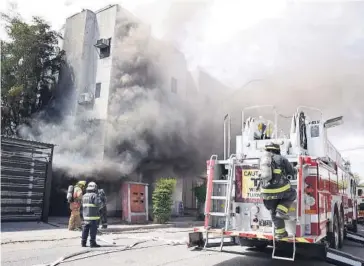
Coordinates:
(30,63)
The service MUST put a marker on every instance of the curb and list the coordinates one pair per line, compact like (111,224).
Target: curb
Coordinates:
(151,226)
(111,229)
(134,228)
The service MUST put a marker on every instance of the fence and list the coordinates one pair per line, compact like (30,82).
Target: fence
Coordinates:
(26,178)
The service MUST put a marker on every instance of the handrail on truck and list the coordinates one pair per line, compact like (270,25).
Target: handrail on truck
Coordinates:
(227,120)
(299,108)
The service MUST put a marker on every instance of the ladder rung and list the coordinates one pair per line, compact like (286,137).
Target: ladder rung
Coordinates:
(222,214)
(221,181)
(218,197)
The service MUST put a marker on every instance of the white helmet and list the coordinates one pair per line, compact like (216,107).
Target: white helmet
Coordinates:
(91,186)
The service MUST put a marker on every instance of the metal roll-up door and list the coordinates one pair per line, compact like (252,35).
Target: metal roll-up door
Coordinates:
(25,167)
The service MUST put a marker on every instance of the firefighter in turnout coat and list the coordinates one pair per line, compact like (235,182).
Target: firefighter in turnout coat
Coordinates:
(75,221)
(103,209)
(91,215)
(277,193)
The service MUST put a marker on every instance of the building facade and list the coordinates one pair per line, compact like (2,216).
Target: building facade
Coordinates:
(109,50)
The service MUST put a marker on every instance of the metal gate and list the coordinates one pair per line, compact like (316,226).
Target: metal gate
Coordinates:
(26,178)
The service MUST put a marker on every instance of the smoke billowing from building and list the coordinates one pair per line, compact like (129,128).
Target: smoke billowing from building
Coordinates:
(147,126)
(303,54)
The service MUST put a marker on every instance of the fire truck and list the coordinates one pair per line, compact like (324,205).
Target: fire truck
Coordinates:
(325,211)
(360,202)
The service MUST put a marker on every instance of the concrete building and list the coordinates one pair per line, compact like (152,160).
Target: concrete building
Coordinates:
(95,50)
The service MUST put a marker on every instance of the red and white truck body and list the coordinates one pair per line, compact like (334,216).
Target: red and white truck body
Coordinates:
(326,198)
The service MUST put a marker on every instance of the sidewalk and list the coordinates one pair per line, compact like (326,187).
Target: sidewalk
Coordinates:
(57,229)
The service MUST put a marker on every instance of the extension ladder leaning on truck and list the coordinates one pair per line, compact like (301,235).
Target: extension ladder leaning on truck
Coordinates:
(324,212)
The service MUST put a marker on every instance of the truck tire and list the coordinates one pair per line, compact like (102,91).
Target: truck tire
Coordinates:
(334,235)
(355,226)
(341,229)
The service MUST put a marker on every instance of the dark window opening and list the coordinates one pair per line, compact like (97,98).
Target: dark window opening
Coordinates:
(104,52)
(97,90)
(174,85)
(104,46)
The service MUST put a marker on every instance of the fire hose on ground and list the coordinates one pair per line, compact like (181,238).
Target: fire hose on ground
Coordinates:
(103,252)
(75,254)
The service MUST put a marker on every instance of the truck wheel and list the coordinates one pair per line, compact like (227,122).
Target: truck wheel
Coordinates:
(355,226)
(341,230)
(335,235)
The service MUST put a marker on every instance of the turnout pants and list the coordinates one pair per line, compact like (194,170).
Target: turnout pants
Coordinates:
(279,204)
(103,217)
(89,227)
(75,221)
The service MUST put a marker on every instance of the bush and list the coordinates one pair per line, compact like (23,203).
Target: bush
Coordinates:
(162,199)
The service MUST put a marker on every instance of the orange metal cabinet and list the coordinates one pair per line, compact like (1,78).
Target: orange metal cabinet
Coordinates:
(134,202)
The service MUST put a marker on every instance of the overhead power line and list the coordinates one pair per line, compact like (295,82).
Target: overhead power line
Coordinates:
(354,149)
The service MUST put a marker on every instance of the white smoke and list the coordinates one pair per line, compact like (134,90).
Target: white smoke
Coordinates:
(303,53)
(145,125)
(307,53)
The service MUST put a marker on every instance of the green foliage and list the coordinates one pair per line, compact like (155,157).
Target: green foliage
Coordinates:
(162,199)
(200,192)
(30,63)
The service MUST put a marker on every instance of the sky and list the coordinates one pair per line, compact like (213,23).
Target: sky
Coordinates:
(240,40)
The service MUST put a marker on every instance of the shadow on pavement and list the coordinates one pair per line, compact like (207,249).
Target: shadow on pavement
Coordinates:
(256,257)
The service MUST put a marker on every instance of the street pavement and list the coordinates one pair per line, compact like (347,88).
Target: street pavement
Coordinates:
(154,247)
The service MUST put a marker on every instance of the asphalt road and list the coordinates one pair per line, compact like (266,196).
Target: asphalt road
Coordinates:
(156,248)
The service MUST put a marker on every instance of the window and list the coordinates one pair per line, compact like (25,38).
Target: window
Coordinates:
(97,90)
(105,48)
(315,131)
(174,85)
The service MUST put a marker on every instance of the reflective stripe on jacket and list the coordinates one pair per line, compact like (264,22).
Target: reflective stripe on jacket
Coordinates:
(279,184)
(91,205)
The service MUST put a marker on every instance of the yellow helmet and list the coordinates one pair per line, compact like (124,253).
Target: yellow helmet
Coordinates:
(81,183)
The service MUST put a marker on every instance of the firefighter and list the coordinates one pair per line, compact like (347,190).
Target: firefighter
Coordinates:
(103,209)
(277,193)
(75,200)
(264,129)
(91,215)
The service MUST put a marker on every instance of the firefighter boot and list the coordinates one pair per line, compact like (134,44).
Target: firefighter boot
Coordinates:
(282,212)
(93,244)
(281,233)
(83,243)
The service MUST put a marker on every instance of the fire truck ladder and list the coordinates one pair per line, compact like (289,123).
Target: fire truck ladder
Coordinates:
(290,236)
(227,198)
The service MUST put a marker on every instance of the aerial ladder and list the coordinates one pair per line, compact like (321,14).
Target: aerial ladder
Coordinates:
(224,231)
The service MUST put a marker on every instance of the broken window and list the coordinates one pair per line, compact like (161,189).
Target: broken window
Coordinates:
(97,90)
(174,85)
